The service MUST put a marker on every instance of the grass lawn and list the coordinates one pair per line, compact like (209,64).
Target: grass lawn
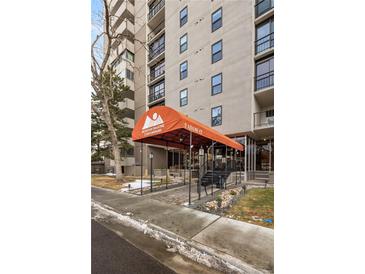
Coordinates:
(254,207)
(105,182)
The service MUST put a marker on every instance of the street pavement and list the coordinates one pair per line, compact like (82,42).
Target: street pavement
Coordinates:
(247,242)
(110,254)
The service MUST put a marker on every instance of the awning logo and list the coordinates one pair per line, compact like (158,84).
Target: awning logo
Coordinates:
(155,121)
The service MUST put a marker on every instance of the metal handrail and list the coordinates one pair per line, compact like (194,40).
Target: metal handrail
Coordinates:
(155,96)
(260,120)
(263,6)
(155,9)
(266,40)
(156,31)
(153,75)
(264,80)
(152,54)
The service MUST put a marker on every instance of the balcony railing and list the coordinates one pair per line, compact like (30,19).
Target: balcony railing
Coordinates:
(263,119)
(156,31)
(264,80)
(155,74)
(153,53)
(263,6)
(264,43)
(155,9)
(155,96)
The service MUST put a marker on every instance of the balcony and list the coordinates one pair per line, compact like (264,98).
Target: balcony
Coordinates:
(126,30)
(156,96)
(264,80)
(123,11)
(156,52)
(156,14)
(263,7)
(264,120)
(155,76)
(264,44)
(156,32)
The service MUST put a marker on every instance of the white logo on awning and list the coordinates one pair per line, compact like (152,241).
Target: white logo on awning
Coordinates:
(155,121)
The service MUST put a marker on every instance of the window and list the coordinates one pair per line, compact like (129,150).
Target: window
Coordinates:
(269,113)
(217,116)
(216,19)
(183,97)
(129,74)
(216,84)
(217,51)
(265,73)
(126,54)
(263,6)
(183,43)
(157,47)
(264,36)
(157,91)
(157,70)
(183,16)
(129,55)
(183,70)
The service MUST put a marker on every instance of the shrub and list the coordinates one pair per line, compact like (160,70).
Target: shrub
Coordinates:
(232,192)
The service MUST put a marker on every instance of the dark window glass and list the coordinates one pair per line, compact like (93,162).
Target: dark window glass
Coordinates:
(183,16)
(183,43)
(270,113)
(265,73)
(217,51)
(129,74)
(157,47)
(183,70)
(217,116)
(265,35)
(157,91)
(158,70)
(183,97)
(216,19)
(217,84)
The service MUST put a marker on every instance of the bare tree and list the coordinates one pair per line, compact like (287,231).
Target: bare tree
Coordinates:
(102,92)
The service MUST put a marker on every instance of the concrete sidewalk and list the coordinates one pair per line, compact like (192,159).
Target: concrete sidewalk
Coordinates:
(251,244)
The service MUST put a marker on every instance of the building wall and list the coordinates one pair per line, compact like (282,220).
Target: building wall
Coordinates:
(236,65)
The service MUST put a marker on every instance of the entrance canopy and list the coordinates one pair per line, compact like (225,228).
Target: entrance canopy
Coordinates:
(165,126)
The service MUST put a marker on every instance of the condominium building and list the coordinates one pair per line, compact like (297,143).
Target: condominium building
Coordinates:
(211,60)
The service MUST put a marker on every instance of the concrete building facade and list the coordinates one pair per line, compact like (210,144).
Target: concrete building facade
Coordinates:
(211,60)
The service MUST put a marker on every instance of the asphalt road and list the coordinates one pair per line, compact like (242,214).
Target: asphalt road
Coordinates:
(110,254)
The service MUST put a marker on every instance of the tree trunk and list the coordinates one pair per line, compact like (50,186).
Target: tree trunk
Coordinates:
(114,140)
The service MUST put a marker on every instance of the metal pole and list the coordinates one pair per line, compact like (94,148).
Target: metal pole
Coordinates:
(212,165)
(191,137)
(184,166)
(245,158)
(141,165)
(235,164)
(240,167)
(179,163)
(167,162)
(151,155)
(226,177)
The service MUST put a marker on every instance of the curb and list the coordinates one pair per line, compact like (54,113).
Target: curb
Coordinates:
(191,249)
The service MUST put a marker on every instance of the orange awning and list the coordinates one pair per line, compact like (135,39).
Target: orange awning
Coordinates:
(163,125)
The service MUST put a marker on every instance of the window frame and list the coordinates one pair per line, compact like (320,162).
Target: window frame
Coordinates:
(220,19)
(182,18)
(186,61)
(212,86)
(186,97)
(221,51)
(221,115)
(186,34)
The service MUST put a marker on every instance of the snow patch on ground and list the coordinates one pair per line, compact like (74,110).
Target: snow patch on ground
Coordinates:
(137,185)
(175,243)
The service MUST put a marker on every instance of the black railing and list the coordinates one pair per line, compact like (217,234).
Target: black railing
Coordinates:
(155,96)
(155,74)
(263,118)
(264,43)
(263,6)
(264,80)
(156,31)
(153,53)
(155,9)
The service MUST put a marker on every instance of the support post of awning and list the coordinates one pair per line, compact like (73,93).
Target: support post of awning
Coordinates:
(226,165)
(191,137)
(141,166)
(212,165)
(167,163)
